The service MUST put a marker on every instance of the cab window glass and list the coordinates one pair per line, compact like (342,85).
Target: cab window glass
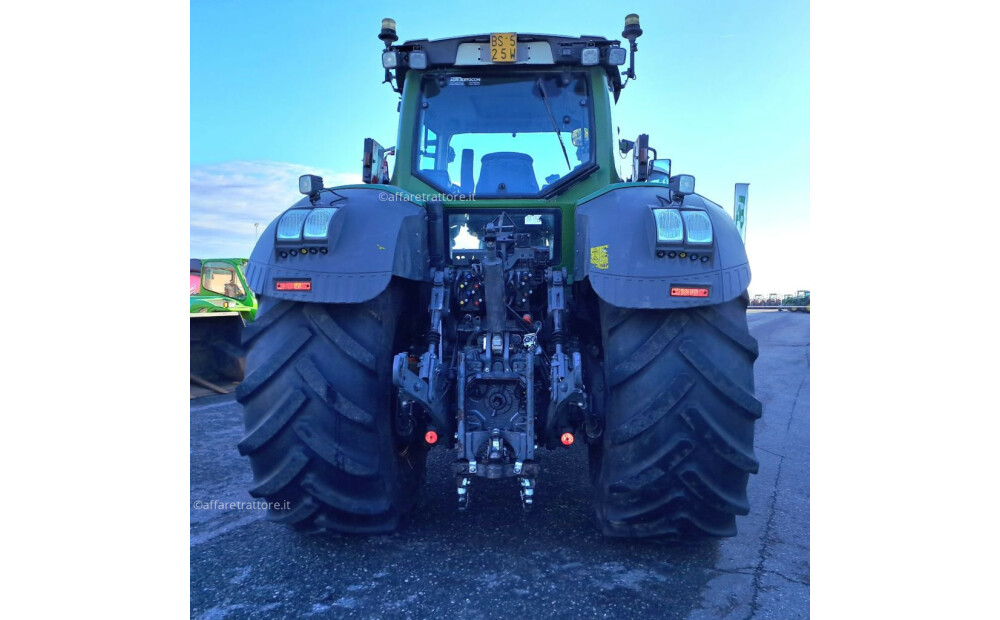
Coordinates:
(221,278)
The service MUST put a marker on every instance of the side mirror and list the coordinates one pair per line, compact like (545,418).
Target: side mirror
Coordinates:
(659,171)
(375,168)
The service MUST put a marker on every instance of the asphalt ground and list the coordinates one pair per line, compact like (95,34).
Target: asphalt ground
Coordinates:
(496,561)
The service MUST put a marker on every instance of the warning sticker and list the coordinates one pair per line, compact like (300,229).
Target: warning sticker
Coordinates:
(599,256)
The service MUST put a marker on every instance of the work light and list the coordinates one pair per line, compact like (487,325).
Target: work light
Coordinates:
(418,60)
(310,184)
(682,184)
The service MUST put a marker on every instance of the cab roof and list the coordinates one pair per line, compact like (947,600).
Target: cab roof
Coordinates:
(533,50)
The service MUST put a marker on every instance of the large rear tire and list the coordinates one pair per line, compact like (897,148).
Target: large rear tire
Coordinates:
(318,410)
(680,411)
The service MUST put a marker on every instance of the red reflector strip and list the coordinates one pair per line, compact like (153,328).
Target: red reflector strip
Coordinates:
(677,291)
(294,286)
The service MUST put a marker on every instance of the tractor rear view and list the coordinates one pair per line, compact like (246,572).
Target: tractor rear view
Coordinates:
(798,301)
(500,294)
(221,306)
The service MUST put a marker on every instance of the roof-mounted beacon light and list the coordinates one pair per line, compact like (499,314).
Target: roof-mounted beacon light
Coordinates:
(388,34)
(390,59)
(632,32)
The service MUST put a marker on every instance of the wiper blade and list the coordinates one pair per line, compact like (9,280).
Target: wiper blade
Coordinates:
(552,118)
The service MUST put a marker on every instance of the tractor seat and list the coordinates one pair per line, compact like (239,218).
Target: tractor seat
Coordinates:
(515,171)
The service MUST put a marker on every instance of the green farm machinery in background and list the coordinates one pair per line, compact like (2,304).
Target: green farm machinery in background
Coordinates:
(221,306)
(798,301)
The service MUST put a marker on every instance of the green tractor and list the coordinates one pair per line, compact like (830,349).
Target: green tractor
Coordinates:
(221,306)
(798,301)
(499,293)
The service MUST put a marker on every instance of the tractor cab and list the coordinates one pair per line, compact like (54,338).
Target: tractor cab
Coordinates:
(503,116)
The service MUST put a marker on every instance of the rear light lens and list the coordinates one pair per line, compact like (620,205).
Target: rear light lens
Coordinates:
(293,285)
(318,223)
(692,291)
(668,226)
(290,225)
(699,227)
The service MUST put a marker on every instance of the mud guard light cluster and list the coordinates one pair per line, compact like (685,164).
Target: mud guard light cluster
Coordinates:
(305,224)
(676,226)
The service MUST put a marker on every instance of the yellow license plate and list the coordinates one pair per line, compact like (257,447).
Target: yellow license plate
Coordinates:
(503,47)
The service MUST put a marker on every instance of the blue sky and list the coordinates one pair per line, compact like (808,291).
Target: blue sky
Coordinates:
(281,89)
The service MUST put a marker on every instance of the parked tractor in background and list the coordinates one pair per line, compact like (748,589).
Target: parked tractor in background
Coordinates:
(502,292)
(758,300)
(798,301)
(221,306)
